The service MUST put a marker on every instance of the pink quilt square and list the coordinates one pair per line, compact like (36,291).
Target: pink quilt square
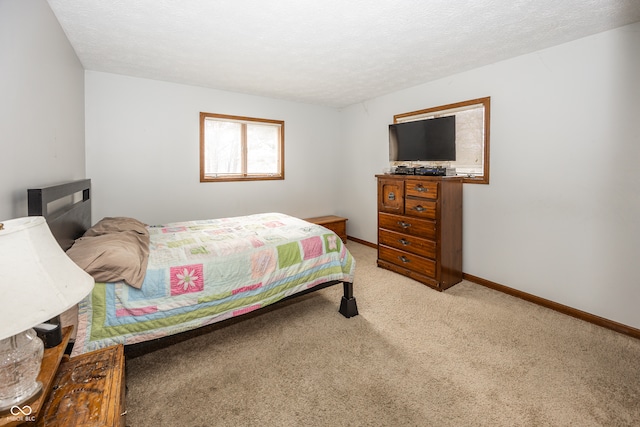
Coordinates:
(273,224)
(173,229)
(256,242)
(186,279)
(312,247)
(123,312)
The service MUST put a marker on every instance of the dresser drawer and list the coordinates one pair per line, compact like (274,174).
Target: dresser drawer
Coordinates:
(424,189)
(405,242)
(391,196)
(406,224)
(420,207)
(408,260)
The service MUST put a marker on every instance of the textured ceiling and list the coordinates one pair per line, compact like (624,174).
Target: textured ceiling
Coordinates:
(328,52)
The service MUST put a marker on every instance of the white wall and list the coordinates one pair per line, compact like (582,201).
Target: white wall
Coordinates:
(143,153)
(41,104)
(560,218)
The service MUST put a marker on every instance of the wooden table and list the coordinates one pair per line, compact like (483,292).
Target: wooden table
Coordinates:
(337,224)
(50,362)
(87,390)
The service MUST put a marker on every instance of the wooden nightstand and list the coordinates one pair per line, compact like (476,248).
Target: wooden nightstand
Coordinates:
(337,224)
(88,391)
(50,361)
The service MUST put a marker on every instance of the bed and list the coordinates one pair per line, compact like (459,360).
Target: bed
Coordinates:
(193,274)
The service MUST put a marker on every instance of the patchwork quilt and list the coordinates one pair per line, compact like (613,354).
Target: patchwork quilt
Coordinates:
(201,272)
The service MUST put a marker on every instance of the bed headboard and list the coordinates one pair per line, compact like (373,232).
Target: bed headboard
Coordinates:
(68,215)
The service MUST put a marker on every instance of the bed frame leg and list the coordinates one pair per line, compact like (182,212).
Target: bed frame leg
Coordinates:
(348,307)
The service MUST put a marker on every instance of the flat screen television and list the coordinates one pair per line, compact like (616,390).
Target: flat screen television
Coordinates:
(423,140)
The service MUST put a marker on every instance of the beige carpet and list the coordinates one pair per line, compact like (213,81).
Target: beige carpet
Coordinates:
(469,356)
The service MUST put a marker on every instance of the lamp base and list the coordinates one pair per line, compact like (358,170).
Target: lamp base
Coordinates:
(24,397)
(20,360)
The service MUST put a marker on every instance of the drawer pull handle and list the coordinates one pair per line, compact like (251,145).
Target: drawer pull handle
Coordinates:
(421,189)
(404,242)
(419,208)
(404,224)
(404,259)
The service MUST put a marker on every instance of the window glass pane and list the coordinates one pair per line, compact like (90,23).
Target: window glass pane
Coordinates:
(470,141)
(235,148)
(262,149)
(223,147)
(472,136)
(469,137)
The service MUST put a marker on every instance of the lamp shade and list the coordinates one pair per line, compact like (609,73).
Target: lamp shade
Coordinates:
(38,280)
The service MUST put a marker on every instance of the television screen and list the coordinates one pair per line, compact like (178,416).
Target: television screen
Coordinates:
(423,140)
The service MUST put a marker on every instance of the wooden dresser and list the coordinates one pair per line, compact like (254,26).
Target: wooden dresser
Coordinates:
(420,228)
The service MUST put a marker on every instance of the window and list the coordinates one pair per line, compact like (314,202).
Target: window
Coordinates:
(472,135)
(240,148)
